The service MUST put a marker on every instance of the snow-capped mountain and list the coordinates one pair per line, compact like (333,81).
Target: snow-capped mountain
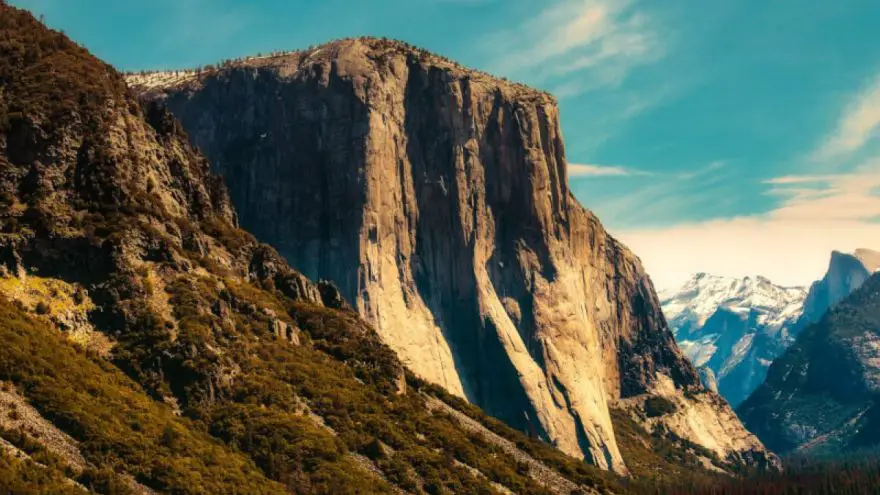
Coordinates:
(733,328)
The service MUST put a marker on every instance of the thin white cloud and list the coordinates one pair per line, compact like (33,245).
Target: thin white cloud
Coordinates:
(579,45)
(800,179)
(701,172)
(789,244)
(589,170)
(671,195)
(845,197)
(858,125)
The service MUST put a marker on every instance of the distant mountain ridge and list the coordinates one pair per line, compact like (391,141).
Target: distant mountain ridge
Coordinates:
(733,327)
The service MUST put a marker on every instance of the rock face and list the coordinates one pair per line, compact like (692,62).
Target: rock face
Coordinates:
(436,198)
(821,395)
(846,273)
(733,328)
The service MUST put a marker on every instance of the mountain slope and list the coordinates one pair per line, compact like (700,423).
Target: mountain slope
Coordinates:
(168,349)
(436,198)
(733,328)
(821,396)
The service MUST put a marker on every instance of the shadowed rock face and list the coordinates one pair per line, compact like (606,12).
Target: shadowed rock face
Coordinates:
(437,200)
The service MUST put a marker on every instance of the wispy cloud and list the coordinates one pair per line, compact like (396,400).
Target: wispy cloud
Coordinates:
(800,179)
(702,171)
(589,170)
(859,124)
(580,45)
(789,242)
(669,195)
(843,197)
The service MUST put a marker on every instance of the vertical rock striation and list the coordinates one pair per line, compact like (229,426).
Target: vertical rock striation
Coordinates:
(436,198)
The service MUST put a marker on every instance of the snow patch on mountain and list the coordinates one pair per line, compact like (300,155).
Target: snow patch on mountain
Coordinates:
(740,350)
(699,351)
(700,297)
(733,327)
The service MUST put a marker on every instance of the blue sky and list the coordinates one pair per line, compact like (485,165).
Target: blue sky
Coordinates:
(735,137)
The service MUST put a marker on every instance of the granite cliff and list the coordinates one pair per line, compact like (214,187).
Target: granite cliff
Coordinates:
(436,198)
(846,273)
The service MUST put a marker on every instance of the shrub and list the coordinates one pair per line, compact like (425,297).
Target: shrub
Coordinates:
(96,404)
(42,308)
(659,406)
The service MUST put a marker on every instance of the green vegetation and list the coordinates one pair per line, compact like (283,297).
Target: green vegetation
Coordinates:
(350,385)
(36,451)
(819,384)
(853,475)
(52,467)
(25,477)
(46,76)
(655,460)
(573,469)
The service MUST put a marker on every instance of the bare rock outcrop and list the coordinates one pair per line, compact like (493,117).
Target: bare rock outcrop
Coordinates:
(846,273)
(436,198)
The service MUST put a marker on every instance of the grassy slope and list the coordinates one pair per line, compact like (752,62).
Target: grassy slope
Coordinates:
(117,425)
(21,476)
